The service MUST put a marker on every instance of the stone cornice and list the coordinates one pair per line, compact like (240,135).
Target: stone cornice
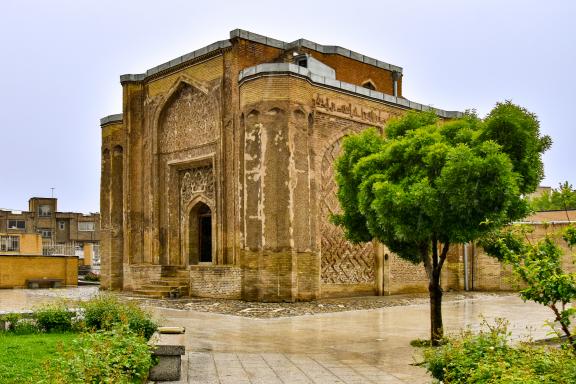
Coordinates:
(325,49)
(177,62)
(272,69)
(110,119)
(242,34)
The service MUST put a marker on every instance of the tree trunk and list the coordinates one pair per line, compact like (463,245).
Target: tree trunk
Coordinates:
(436,326)
(565,327)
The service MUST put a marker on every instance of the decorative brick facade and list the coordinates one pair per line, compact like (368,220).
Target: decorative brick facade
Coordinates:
(221,167)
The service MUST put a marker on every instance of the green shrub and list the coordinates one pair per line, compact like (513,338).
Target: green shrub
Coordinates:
(91,276)
(26,327)
(488,357)
(140,322)
(11,320)
(54,318)
(106,312)
(114,356)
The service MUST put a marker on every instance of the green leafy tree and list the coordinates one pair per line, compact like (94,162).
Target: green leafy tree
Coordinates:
(539,267)
(428,184)
(561,198)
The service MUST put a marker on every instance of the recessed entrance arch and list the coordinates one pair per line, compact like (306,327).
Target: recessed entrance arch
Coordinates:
(199,234)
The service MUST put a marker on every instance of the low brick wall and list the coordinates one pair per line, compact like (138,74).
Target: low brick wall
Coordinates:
(347,290)
(16,269)
(216,281)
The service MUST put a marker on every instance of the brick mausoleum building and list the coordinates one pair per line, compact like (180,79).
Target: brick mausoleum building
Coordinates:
(218,176)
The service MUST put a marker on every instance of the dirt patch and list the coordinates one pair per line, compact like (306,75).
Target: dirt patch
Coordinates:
(273,310)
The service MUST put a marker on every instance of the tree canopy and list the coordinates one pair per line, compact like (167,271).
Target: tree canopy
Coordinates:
(561,198)
(427,182)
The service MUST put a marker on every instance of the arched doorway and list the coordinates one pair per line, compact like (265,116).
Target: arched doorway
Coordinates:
(200,234)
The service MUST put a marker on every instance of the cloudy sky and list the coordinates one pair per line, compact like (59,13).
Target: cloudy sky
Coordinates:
(60,63)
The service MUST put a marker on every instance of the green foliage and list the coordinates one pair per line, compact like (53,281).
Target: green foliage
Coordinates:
(561,198)
(22,355)
(54,318)
(91,276)
(569,235)
(11,319)
(539,266)
(114,356)
(26,327)
(454,180)
(430,183)
(105,312)
(489,357)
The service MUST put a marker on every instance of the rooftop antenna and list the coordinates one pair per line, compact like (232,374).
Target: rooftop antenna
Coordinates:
(52,192)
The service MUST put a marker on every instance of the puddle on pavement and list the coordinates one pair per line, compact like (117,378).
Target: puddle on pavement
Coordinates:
(28,299)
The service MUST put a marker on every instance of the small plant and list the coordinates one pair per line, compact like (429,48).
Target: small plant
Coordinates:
(91,276)
(489,357)
(539,267)
(10,319)
(54,318)
(113,356)
(105,312)
(26,327)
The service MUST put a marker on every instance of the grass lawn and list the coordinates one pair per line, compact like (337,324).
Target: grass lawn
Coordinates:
(21,356)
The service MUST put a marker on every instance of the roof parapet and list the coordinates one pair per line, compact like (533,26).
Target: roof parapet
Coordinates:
(176,62)
(325,49)
(283,68)
(240,33)
(111,119)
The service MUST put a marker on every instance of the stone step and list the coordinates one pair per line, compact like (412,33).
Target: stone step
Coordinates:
(164,288)
(158,288)
(169,282)
(150,293)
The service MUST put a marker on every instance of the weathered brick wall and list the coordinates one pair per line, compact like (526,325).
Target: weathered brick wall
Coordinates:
(216,281)
(135,275)
(406,277)
(111,206)
(490,274)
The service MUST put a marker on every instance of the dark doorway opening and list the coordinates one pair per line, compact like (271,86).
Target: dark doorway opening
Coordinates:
(205,238)
(200,234)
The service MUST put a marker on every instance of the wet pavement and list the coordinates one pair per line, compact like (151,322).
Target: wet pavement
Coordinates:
(358,346)
(12,300)
(370,346)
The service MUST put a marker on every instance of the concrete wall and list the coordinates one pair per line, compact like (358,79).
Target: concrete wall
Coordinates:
(15,270)
(30,244)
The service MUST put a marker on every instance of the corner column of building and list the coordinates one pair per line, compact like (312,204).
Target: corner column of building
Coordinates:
(105,245)
(278,260)
(133,95)
(117,219)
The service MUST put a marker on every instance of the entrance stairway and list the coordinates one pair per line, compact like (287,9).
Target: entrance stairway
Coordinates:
(174,282)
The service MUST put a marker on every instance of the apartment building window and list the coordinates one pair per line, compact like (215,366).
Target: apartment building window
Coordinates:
(16,224)
(44,210)
(61,225)
(46,233)
(9,243)
(86,226)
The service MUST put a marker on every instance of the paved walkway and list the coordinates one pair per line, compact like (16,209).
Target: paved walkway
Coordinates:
(347,347)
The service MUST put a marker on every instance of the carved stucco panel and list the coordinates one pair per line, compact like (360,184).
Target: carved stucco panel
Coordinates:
(190,119)
(195,181)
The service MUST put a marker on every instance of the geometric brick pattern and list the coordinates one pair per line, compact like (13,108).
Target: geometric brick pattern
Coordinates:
(341,261)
